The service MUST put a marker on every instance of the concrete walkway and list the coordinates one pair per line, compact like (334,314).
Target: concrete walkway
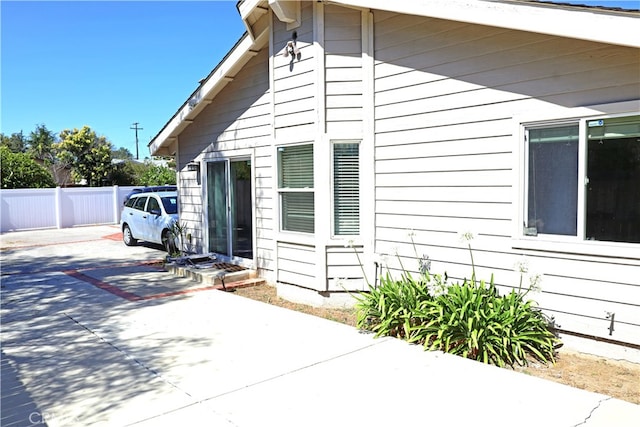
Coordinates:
(75,353)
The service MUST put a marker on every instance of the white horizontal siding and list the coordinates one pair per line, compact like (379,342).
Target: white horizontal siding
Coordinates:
(296,265)
(444,179)
(343,69)
(479,162)
(446,94)
(481,210)
(344,269)
(456,220)
(471,130)
(498,144)
(294,82)
(303,92)
(295,133)
(423,194)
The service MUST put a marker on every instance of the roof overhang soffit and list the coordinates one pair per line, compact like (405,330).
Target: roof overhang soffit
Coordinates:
(617,28)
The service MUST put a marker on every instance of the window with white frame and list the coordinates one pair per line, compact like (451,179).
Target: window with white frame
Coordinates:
(295,188)
(605,205)
(346,188)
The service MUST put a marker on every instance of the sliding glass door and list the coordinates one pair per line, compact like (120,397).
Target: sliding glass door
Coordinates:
(229,203)
(241,222)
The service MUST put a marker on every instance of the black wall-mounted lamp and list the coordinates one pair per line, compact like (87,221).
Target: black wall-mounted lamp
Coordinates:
(193,167)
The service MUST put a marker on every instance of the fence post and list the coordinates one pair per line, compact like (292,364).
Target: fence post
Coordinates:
(58,197)
(116,204)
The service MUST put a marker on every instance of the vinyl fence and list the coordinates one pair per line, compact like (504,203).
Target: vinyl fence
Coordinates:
(33,208)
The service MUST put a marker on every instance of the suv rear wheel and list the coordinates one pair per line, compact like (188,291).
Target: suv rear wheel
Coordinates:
(127,237)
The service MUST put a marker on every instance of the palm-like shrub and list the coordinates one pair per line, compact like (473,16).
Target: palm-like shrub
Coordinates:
(469,319)
(474,321)
(390,308)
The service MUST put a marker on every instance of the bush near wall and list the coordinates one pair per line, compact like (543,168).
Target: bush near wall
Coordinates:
(470,319)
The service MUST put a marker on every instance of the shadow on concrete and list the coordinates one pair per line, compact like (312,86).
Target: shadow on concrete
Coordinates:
(62,357)
(17,407)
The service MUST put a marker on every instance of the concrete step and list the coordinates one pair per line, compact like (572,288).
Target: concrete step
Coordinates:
(247,283)
(215,273)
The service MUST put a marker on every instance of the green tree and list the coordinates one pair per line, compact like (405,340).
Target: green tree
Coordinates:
(124,173)
(17,143)
(88,154)
(40,145)
(157,175)
(121,153)
(19,170)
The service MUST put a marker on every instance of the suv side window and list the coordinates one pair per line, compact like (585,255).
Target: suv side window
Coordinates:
(140,202)
(153,204)
(129,203)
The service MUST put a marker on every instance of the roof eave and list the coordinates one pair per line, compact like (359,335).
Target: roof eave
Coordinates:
(591,24)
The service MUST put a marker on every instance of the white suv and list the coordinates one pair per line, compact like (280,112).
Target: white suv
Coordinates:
(149,217)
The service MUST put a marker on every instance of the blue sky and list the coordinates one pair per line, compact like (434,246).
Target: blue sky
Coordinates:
(110,64)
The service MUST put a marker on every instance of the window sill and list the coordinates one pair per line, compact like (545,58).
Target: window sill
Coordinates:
(626,251)
(307,239)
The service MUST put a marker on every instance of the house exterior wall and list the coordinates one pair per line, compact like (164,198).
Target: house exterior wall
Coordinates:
(449,98)
(438,108)
(238,123)
(295,115)
(318,98)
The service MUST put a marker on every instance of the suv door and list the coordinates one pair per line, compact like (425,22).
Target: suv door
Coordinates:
(154,221)
(137,218)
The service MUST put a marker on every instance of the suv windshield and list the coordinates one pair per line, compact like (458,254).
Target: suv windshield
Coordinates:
(170,204)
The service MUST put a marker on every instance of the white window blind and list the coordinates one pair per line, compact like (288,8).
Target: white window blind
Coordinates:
(553,180)
(346,188)
(295,185)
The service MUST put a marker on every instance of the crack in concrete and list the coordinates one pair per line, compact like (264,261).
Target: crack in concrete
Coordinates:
(595,408)
(127,355)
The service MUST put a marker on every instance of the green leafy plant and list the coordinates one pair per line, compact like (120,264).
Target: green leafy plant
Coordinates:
(391,308)
(21,171)
(470,319)
(175,239)
(475,321)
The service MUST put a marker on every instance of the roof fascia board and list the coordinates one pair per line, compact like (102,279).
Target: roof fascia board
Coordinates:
(246,7)
(579,23)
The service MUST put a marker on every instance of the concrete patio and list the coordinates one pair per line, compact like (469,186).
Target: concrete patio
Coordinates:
(77,354)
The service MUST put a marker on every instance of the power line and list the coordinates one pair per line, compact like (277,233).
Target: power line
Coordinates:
(135,126)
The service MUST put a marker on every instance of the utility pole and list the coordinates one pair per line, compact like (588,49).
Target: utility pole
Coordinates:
(135,126)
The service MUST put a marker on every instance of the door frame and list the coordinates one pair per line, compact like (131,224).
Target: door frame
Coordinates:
(238,155)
